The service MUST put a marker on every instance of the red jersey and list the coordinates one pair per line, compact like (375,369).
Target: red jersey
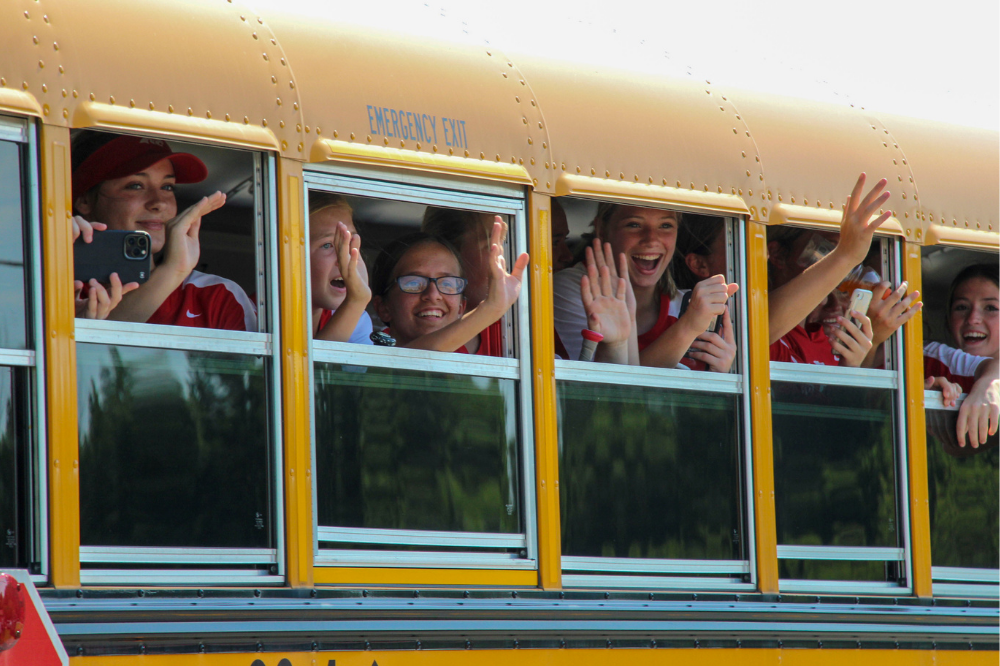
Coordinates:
(805,345)
(490,341)
(669,313)
(207,301)
(954,365)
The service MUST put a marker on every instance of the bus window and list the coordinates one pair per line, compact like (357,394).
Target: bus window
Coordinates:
(419,454)
(21,434)
(638,445)
(173,413)
(960,327)
(835,427)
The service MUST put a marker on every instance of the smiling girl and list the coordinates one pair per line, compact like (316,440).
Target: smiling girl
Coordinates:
(127,183)
(644,239)
(420,283)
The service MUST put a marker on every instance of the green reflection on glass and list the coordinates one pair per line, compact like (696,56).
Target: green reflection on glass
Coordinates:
(10,447)
(834,465)
(13,313)
(399,449)
(833,570)
(964,491)
(649,473)
(173,448)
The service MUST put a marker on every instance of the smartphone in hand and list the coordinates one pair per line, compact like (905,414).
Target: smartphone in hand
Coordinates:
(860,300)
(128,253)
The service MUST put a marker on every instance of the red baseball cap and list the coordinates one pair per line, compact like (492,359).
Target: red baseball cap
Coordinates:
(126,155)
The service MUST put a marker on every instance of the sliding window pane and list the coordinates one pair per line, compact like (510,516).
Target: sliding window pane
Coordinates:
(649,473)
(834,465)
(964,487)
(14,468)
(13,310)
(173,448)
(399,449)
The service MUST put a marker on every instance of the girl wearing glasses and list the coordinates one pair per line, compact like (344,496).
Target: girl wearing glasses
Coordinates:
(419,284)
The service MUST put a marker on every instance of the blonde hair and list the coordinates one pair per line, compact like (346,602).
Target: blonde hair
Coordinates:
(322,200)
(605,212)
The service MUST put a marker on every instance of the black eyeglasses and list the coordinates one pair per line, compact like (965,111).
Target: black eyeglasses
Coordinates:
(449,285)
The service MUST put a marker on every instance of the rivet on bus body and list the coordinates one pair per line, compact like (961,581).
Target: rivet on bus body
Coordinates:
(607,174)
(738,117)
(45,18)
(532,102)
(534,181)
(504,74)
(41,64)
(750,193)
(131,103)
(677,184)
(466,153)
(190,111)
(255,35)
(539,126)
(761,176)
(45,88)
(544,145)
(246,120)
(283,63)
(722,108)
(284,145)
(742,152)
(733,189)
(93,97)
(451,151)
(705,188)
(763,212)
(265,56)
(548,184)
(530,141)
(298,128)
(740,191)
(498,154)
(152,108)
(621,175)
(274,41)
(748,172)
(434,148)
(904,195)
(260,20)
(720,189)
(227,117)
(532,160)
(34,38)
(112,99)
(65,113)
(45,109)
(242,17)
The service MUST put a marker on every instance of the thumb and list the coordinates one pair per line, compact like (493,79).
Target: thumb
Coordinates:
(732,289)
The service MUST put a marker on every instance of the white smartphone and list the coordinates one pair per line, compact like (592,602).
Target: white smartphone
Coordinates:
(860,300)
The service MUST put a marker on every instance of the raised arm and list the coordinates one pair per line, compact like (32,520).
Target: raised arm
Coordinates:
(606,304)
(792,302)
(980,411)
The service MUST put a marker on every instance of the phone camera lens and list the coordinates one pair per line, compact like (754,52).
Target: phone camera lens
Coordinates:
(131,240)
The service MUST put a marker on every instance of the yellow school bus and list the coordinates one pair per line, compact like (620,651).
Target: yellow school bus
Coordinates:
(195,496)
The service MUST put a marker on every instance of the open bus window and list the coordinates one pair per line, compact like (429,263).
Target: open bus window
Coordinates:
(419,450)
(183,208)
(667,254)
(835,427)
(960,326)
(171,414)
(651,459)
(397,240)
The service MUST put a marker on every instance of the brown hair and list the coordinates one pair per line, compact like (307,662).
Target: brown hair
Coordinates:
(389,257)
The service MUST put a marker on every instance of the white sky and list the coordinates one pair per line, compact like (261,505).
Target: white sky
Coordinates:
(939,61)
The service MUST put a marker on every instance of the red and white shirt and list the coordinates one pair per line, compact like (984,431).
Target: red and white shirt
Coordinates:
(805,345)
(954,365)
(207,301)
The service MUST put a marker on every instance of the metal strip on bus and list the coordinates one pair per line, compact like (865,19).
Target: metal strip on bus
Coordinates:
(424,559)
(419,537)
(138,554)
(749,531)
(124,334)
(966,591)
(13,129)
(630,375)
(840,553)
(635,565)
(966,575)
(852,587)
(836,376)
(40,472)
(432,196)
(22,358)
(935,400)
(658,583)
(417,360)
(320,173)
(178,577)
